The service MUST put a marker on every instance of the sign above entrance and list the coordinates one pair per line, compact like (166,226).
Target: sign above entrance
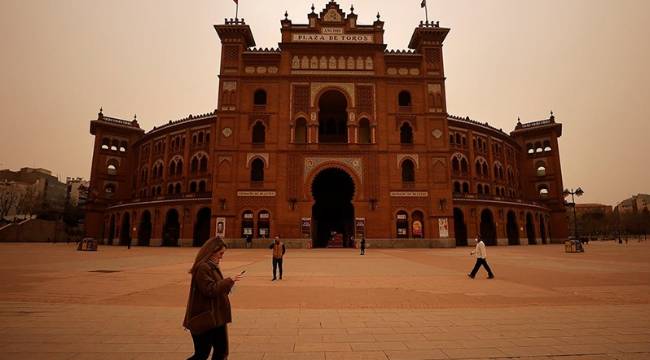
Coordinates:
(409,194)
(333,38)
(256,193)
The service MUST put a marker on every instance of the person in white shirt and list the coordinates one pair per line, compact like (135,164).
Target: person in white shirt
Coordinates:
(481,259)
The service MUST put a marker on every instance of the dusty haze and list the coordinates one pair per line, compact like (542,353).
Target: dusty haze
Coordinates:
(587,60)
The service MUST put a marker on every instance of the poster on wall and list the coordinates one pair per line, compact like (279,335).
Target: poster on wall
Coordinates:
(443,227)
(305,227)
(417,228)
(360,225)
(221,227)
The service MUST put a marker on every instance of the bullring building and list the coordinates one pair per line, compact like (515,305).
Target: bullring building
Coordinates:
(328,136)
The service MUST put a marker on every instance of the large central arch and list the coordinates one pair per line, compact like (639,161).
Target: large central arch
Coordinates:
(332,212)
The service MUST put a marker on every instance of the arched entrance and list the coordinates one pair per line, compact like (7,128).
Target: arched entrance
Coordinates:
(202,227)
(530,229)
(125,231)
(512,229)
(111,230)
(144,230)
(333,212)
(332,117)
(488,228)
(542,229)
(460,228)
(171,229)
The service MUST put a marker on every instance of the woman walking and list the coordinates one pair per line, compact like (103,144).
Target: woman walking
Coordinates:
(208,307)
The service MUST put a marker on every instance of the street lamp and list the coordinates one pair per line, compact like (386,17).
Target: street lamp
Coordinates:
(577,192)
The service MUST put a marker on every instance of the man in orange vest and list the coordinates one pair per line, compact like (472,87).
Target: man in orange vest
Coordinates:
(278,253)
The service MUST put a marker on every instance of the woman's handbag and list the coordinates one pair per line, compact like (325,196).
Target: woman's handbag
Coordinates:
(202,322)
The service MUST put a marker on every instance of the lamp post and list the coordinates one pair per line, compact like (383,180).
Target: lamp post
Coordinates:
(577,192)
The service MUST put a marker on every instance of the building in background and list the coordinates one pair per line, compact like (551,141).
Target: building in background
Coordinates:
(77,191)
(37,191)
(328,137)
(636,204)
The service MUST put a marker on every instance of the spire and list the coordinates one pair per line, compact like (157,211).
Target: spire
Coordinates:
(351,9)
(313,8)
(100,115)
(286,15)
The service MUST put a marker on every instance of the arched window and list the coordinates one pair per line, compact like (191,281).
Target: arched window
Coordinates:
(541,170)
(111,169)
(464,166)
(457,138)
(543,190)
(123,146)
(465,188)
(259,98)
(478,168)
(179,167)
(194,165)
(115,145)
(170,189)
(105,144)
(485,170)
(202,186)
(364,131)
(257,170)
(178,188)
(455,165)
(408,171)
(300,131)
(486,190)
(406,133)
(201,137)
(109,188)
(479,189)
(404,98)
(259,133)
(203,164)
(547,146)
(451,139)
(193,187)
(456,187)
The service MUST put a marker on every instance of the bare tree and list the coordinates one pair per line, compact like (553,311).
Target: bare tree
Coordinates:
(27,202)
(8,199)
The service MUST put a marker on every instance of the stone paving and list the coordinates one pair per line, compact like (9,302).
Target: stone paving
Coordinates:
(57,303)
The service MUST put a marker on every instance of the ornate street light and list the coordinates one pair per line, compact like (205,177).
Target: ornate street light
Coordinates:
(577,192)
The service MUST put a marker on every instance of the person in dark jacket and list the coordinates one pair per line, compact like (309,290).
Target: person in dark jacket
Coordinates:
(363,245)
(278,253)
(208,307)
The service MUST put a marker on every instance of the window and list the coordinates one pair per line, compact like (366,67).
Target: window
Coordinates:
(111,169)
(259,133)
(264,224)
(109,189)
(170,189)
(402,224)
(406,134)
(456,187)
(543,191)
(541,171)
(193,187)
(123,146)
(247,223)
(203,167)
(257,170)
(105,144)
(364,131)
(404,98)
(479,189)
(202,186)
(300,131)
(465,188)
(455,165)
(259,99)
(408,171)
(178,188)
(464,166)
(547,146)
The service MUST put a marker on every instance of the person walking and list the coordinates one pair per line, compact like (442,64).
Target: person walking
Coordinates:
(278,253)
(208,308)
(481,258)
(363,245)
(249,241)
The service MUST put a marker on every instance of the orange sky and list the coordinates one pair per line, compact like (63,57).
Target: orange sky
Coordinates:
(587,60)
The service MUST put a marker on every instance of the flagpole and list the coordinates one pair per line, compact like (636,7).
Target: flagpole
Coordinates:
(426,11)
(236,9)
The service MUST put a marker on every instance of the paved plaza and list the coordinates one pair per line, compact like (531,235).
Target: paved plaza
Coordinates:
(60,304)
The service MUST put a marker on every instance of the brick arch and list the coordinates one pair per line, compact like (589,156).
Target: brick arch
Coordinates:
(348,97)
(309,180)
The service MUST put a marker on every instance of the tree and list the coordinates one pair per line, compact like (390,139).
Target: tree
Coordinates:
(27,202)
(8,199)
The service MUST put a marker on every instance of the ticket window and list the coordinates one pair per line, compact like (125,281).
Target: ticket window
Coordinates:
(247,224)
(402,223)
(264,224)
